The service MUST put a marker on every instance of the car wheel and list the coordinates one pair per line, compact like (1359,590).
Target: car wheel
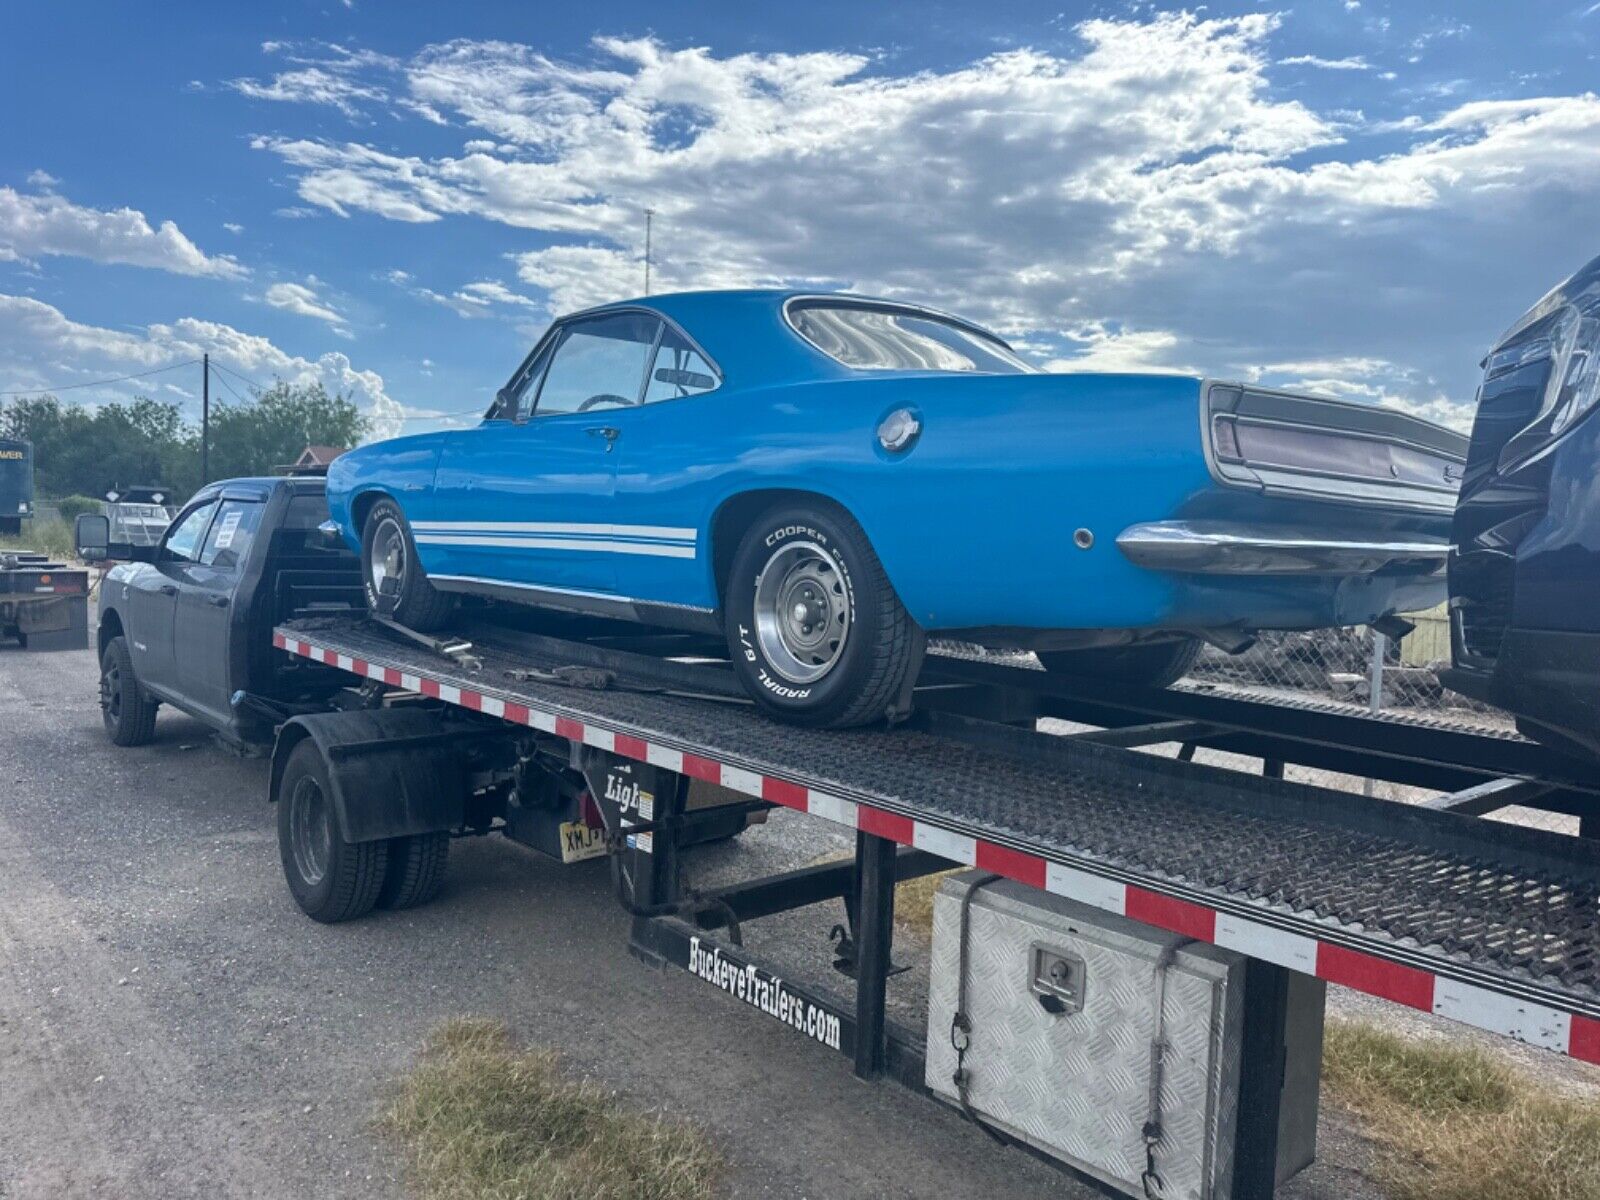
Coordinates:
(1151,664)
(415,871)
(127,709)
(815,630)
(331,879)
(395,584)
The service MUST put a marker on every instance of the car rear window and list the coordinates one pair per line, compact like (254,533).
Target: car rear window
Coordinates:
(870,338)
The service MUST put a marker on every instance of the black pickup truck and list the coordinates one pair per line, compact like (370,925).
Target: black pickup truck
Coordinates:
(192,625)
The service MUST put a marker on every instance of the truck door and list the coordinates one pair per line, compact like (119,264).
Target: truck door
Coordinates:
(201,649)
(152,599)
(527,499)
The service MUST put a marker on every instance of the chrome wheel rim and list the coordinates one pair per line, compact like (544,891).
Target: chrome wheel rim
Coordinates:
(388,559)
(802,612)
(310,834)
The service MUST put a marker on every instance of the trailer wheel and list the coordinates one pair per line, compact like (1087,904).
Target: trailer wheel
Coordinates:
(392,575)
(815,629)
(331,879)
(1155,664)
(415,871)
(127,709)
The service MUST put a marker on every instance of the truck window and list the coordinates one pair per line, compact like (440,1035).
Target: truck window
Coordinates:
(184,539)
(231,534)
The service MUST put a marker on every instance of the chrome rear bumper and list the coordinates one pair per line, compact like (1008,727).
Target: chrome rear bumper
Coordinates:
(1212,548)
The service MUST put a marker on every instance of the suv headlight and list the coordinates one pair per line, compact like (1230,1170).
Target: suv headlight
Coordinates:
(1573,387)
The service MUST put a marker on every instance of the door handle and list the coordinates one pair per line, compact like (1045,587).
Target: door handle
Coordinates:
(168,589)
(610,432)
(217,601)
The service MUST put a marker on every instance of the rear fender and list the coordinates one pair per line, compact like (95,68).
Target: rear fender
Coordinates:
(394,772)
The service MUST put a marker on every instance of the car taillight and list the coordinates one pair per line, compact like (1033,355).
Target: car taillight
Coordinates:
(1573,386)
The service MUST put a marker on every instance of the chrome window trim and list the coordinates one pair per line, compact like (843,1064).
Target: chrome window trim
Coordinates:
(559,326)
(836,300)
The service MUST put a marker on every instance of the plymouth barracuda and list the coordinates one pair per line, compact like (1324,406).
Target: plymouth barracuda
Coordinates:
(827,479)
(1525,630)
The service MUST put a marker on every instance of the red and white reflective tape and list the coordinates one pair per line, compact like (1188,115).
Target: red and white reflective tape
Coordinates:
(1554,1029)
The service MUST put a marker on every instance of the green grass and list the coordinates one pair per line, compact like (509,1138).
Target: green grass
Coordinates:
(1455,1122)
(43,537)
(479,1117)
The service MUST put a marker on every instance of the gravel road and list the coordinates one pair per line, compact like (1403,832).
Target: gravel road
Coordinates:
(171,1026)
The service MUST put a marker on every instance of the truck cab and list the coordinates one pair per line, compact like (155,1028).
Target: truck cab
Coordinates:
(190,625)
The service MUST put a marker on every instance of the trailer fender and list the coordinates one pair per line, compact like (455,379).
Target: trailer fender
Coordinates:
(394,772)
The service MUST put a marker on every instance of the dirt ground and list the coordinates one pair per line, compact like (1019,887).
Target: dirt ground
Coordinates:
(170,1025)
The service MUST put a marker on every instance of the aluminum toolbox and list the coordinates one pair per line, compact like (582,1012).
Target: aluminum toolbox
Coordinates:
(1061,1002)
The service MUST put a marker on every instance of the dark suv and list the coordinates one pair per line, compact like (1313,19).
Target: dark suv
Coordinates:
(1525,571)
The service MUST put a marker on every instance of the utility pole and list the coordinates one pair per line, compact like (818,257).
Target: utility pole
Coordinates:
(649,215)
(205,419)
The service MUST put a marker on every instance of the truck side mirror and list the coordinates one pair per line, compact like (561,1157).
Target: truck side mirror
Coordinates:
(91,537)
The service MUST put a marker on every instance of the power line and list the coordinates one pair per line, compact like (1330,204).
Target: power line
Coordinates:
(67,387)
(248,382)
(232,391)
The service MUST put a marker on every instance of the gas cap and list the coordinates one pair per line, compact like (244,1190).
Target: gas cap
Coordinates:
(899,430)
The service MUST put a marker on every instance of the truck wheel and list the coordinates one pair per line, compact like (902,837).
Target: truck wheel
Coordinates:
(1154,664)
(395,584)
(128,711)
(415,871)
(331,879)
(815,630)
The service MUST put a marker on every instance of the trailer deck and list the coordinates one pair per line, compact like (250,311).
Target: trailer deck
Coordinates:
(1490,924)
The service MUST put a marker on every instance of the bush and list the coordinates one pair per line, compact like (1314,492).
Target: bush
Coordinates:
(73,507)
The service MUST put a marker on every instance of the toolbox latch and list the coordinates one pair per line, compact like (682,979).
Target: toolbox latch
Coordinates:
(1058,979)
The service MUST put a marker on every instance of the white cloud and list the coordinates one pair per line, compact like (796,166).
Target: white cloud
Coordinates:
(233,227)
(302,300)
(40,346)
(1354,63)
(1151,184)
(1105,349)
(33,226)
(310,85)
(42,180)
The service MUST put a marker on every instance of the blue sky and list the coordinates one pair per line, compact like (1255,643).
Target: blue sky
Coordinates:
(396,198)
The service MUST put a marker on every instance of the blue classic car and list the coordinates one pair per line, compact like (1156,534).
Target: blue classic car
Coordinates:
(828,479)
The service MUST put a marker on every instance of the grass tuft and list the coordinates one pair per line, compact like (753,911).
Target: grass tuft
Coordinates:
(479,1117)
(1458,1123)
(42,537)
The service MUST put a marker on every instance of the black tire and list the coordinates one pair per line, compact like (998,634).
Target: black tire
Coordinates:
(415,871)
(881,647)
(331,879)
(1150,664)
(410,598)
(127,709)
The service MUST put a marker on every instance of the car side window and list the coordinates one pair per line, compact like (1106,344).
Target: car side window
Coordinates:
(183,539)
(679,370)
(515,401)
(231,534)
(599,363)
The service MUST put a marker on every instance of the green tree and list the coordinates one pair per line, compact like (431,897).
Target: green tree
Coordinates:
(251,439)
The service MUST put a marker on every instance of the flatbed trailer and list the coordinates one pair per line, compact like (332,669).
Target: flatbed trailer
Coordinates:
(1429,906)
(44,605)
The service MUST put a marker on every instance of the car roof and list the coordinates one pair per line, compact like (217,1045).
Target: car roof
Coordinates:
(260,487)
(744,332)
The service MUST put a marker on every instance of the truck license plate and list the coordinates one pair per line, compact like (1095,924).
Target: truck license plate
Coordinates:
(580,840)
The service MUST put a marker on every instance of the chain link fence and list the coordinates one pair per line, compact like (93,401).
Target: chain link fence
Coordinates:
(1368,671)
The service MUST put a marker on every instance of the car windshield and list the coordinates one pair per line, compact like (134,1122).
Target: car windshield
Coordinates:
(895,339)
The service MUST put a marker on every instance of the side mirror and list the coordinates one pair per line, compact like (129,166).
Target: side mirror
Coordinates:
(91,537)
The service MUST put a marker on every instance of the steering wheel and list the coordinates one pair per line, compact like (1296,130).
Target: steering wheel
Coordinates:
(604,398)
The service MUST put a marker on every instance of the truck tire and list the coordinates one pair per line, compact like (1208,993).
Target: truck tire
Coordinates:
(415,871)
(127,709)
(392,575)
(331,879)
(815,630)
(1152,664)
